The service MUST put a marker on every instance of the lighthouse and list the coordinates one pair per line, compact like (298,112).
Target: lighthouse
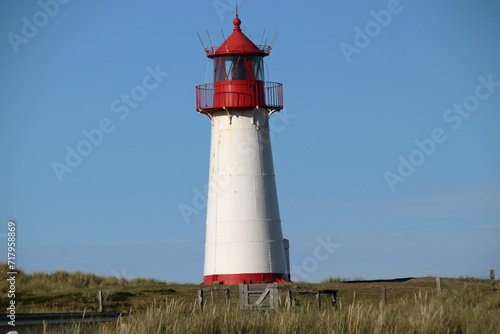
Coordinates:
(244,239)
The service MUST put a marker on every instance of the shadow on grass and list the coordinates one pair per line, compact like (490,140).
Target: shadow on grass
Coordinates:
(396,280)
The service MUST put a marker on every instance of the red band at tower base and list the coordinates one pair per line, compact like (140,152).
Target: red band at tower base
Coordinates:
(249,278)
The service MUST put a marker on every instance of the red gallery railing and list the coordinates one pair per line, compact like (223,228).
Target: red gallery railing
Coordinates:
(239,94)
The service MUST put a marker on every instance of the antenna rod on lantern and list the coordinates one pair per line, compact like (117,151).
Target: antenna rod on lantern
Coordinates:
(274,38)
(210,38)
(262,38)
(201,41)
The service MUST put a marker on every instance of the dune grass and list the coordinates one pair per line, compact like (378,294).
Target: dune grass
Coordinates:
(448,313)
(466,305)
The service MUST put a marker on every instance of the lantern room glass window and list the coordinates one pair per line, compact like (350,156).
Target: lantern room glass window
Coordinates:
(238,68)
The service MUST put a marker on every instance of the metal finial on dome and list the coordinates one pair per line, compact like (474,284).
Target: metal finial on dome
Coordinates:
(237,23)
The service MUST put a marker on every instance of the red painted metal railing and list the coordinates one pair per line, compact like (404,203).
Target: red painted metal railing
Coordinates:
(239,94)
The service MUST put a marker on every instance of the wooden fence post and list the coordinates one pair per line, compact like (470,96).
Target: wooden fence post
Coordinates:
(384,296)
(273,296)
(492,278)
(200,299)
(100,300)
(438,284)
(334,299)
(318,299)
(244,296)
(228,297)
(288,300)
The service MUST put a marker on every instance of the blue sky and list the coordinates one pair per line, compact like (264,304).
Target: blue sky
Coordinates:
(386,154)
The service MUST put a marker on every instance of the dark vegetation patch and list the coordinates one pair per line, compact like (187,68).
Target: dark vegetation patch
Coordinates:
(120,296)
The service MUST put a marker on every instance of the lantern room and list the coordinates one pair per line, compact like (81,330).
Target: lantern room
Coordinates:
(238,77)
(238,68)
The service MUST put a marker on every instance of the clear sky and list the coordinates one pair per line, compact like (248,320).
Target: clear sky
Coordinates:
(387,153)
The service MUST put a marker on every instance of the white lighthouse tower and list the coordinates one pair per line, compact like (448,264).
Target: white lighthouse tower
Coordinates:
(244,240)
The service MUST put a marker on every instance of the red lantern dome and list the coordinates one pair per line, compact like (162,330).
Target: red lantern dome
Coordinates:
(238,77)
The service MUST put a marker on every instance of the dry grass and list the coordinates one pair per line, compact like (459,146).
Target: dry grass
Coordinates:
(464,306)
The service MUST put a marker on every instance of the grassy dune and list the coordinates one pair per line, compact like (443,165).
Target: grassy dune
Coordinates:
(466,305)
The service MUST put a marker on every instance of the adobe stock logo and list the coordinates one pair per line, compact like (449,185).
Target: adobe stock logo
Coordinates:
(428,146)
(322,252)
(373,28)
(122,274)
(122,107)
(199,201)
(223,6)
(30,28)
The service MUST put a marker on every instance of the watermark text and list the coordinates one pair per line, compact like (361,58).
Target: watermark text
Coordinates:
(31,27)
(11,274)
(454,117)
